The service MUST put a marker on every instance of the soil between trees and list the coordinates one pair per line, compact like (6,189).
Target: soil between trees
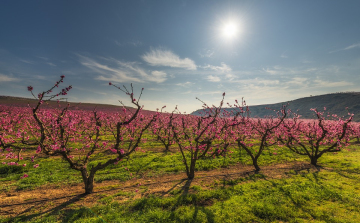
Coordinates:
(52,198)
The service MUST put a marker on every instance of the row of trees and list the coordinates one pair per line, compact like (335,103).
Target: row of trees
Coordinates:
(78,135)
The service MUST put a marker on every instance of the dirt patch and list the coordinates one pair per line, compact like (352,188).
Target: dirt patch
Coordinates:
(48,199)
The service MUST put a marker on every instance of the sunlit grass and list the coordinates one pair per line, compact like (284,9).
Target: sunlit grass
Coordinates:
(328,195)
(54,170)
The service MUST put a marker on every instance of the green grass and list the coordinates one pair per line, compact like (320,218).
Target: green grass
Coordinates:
(329,195)
(54,170)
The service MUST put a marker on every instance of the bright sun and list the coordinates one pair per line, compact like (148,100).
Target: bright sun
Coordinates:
(230,30)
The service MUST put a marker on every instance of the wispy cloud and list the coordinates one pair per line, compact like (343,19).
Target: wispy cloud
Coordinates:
(157,76)
(279,70)
(306,61)
(44,58)
(299,81)
(212,78)
(135,43)
(186,84)
(257,82)
(5,78)
(356,45)
(223,68)
(352,46)
(207,53)
(155,89)
(322,83)
(119,71)
(27,61)
(51,64)
(283,55)
(160,57)
(276,70)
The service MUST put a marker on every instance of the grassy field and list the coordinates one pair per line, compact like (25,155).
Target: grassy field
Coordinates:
(327,194)
(151,162)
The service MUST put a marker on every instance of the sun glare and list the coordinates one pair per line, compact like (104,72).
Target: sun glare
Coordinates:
(230,30)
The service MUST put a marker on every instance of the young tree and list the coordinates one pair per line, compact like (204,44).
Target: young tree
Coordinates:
(195,135)
(62,131)
(354,131)
(13,132)
(314,138)
(162,130)
(262,130)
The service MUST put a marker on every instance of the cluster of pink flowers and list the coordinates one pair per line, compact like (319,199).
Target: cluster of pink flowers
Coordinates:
(24,176)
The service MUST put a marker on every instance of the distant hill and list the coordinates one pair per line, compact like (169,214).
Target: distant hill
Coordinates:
(335,104)
(23,102)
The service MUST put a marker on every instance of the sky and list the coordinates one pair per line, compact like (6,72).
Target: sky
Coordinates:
(262,51)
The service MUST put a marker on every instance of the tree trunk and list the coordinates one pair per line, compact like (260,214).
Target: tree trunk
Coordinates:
(88,181)
(191,173)
(314,160)
(257,168)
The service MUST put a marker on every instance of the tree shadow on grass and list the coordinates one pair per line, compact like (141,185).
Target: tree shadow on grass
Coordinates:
(200,205)
(52,211)
(147,164)
(175,185)
(188,199)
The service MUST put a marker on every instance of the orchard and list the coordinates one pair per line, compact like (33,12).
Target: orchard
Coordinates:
(91,141)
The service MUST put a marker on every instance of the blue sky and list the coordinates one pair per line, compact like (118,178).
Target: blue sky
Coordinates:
(178,50)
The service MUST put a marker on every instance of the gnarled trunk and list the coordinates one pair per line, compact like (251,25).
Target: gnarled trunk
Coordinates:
(314,160)
(88,181)
(167,148)
(255,163)
(191,172)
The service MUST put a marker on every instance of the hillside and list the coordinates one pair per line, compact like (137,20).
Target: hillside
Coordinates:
(335,104)
(23,102)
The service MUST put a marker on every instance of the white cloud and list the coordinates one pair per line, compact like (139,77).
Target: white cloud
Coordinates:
(155,89)
(207,53)
(283,55)
(212,78)
(356,45)
(273,71)
(27,61)
(257,82)
(159,57)
(322,83)
(298,81)
(223,68)
(5,78)
(40,77)
(307,61)
(108,74)
(278,70)
(135,43)
(121,71)
(157,76)
(44,58)
(352,46)
(51,64)
(186,84)
(230,77)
